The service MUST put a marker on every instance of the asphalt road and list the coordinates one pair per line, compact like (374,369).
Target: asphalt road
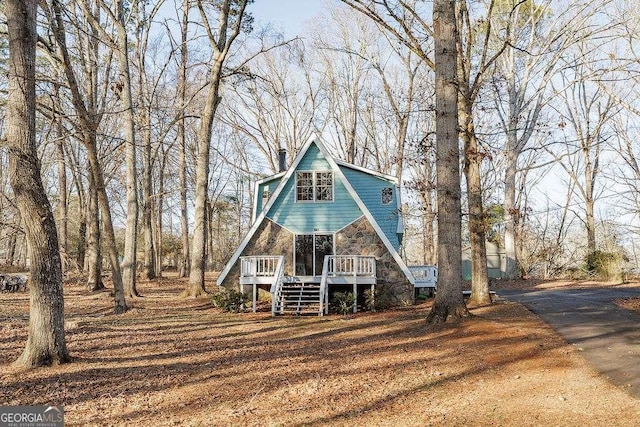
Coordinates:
(606,335)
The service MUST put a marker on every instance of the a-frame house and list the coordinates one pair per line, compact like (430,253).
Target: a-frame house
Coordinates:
(321,226)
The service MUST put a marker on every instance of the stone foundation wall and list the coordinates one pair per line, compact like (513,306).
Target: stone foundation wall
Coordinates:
(269,239)
(359,238)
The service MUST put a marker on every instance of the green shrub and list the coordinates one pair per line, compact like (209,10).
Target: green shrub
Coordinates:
(342,302)
(604,265)
(230,300)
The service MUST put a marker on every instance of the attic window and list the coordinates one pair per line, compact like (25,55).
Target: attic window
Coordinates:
(314,186)
(265,196)
(387,195)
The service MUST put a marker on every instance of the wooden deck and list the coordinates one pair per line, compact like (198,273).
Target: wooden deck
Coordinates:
(337,270)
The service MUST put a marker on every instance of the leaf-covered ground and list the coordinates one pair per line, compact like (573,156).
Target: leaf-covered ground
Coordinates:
(172,361)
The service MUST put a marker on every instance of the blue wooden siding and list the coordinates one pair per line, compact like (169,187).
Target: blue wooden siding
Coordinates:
(369,189)
(307,217)
(269,185)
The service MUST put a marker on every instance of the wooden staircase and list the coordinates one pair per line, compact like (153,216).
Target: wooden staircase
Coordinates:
(299,299)
(306,294)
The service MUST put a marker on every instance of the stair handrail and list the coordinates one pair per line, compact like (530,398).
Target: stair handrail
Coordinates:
(276,285)
(324,290)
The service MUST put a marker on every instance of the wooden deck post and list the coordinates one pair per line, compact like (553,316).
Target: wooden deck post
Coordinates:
(254,295)
(355,285)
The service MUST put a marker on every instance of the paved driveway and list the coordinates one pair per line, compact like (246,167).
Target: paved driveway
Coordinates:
(607,336)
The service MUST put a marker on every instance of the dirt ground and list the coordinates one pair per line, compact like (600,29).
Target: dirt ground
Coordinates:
(172,361)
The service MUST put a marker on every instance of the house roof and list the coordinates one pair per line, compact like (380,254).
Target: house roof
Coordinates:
(340,175)
(367,171)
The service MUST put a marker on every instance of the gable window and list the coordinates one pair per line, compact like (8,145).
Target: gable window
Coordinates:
(265,196)
(387,195)
(314,186)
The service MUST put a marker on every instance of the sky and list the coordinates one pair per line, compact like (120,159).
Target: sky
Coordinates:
(289,16)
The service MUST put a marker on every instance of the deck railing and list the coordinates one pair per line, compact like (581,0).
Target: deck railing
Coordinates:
(426,276)
(257,269)
(355,266)
(259,266)
(351,265)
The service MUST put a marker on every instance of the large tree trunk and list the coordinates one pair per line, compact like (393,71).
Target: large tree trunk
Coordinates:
(472,159)
(195,286)
(81,247)
(81,213)
(46,342)
(149,270)
(62,190)
(185,261)
(590,221)
(449,301)
(131,232)
(157,219)
(94,255)
(11,249)
(511,216)
(109,233)
(228,30)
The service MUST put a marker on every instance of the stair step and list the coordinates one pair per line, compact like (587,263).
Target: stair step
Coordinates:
(297,285)
(299,302)
(298,291)
(296,296)
(298,299)
(299,313)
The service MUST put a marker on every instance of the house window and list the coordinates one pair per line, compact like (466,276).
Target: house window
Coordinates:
(310,250)
(265,196)
(387,195)
(314,186)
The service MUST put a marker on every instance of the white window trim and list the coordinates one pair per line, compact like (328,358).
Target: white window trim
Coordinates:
(314,234)
(314,186)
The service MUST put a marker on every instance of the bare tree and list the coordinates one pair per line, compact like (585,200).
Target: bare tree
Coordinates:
(185,261)
(149,83)
(404,20)
(587,112)
(616,77)
(449,303)
(62,186)
(46,342)
(541,36)
(89,119)
(230,24)
(342,55)
(118,16)
(273,108)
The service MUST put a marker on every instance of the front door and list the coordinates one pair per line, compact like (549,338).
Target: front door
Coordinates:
(310,250)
